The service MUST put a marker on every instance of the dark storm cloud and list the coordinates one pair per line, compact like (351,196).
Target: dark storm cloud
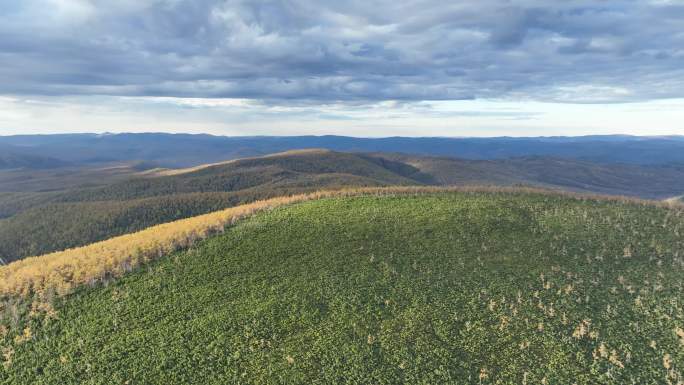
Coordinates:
(353,51)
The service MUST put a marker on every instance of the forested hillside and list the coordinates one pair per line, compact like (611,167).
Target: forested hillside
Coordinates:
(413,287)
(59,178)
(653,182)
(43,222)
(127,199)
(9,160)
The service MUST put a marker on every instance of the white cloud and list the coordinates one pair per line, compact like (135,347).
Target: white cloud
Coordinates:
(324,51)
(356,67)
(387,118)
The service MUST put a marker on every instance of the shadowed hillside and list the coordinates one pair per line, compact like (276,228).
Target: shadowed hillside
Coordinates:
(654,182)
(60,177)
(9,160)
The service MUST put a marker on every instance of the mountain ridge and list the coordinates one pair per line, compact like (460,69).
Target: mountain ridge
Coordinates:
(187,150)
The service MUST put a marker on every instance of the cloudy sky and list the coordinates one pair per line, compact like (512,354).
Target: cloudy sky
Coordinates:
(360,67)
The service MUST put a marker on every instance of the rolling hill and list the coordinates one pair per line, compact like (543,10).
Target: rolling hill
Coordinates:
(408,286)
(651,182)
(130,199)
(44,222)
(67,177)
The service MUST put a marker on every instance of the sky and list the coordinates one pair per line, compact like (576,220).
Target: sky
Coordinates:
(359,68)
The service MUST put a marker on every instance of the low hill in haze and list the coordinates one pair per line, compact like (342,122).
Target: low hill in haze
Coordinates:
(66,177)
(10,160)
(477,287)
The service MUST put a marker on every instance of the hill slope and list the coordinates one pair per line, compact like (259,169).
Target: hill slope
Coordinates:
(60,178)
(42,222)
(45,222)
(9,160)
(440,288)
(653,182)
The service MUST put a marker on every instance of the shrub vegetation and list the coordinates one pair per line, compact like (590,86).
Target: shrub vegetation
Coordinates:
(391,287)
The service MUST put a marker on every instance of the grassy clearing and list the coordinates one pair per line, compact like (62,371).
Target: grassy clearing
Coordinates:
(458,288)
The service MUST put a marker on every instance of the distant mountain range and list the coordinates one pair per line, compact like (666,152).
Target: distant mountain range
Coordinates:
(183,150)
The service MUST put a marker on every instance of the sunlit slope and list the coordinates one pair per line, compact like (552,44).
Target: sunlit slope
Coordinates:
(47,222)
(439,288)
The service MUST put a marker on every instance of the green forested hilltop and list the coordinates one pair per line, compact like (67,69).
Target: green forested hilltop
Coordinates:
(455,288)
(44,222)
(292,168)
